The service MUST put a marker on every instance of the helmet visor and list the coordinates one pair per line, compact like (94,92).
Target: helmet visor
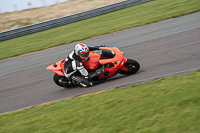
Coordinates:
(84,55)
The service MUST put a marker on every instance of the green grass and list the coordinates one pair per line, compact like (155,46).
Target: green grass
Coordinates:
(149,12)
(169,105)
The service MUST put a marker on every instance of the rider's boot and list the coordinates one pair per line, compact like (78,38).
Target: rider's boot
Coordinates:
(83,81)
(86,81)
(97,72)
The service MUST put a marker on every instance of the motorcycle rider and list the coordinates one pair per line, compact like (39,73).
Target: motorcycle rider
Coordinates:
(73,63)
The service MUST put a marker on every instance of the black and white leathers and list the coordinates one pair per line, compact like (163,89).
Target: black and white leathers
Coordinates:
(73,64)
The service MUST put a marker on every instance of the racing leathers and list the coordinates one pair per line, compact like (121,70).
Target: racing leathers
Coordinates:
(73,63)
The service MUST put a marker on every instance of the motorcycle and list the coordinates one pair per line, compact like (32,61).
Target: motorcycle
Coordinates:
(113,66)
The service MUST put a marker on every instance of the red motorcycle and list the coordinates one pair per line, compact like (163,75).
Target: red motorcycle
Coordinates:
(117,64)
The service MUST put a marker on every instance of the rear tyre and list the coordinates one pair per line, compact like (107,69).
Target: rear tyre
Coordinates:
(132,65)
(60,80)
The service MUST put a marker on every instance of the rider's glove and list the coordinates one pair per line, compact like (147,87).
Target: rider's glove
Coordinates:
(101,46)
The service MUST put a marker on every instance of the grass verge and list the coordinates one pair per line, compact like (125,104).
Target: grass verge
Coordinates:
(164,105)
(149,12)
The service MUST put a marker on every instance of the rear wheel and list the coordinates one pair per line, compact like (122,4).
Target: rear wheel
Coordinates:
(60,80)
(132,65)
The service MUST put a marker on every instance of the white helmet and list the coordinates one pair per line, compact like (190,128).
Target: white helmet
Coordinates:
(82,50)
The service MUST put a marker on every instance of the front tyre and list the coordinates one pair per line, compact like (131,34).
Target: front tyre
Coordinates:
(132,65)
(60,80)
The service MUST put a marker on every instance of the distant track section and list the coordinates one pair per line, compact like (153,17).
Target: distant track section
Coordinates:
(25,30)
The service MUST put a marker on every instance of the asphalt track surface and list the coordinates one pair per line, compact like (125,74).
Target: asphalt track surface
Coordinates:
(161,48)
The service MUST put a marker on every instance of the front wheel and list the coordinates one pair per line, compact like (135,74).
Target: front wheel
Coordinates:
(132,65)
(60,80)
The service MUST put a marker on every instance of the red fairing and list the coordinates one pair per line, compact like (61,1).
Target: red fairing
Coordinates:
(60,73)
(57,68)
(93,62)
(123,67)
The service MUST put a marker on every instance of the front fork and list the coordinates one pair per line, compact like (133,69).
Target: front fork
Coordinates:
(123,67)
